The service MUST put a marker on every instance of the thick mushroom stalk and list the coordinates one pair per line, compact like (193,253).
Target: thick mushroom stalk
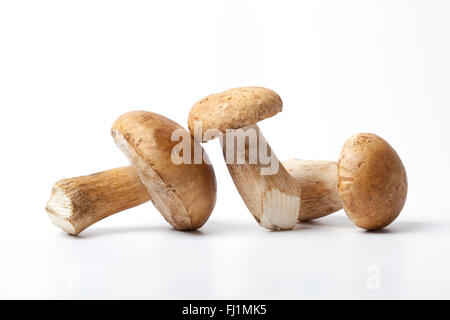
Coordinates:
(184,193)
(270,193)
(77,203)
(319,182)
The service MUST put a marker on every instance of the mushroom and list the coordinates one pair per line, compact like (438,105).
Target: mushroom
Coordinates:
(372,181)
(185,193)
(369,182)
(272,195)
(79,202)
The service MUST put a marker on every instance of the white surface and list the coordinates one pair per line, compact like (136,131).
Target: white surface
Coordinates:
(68,69)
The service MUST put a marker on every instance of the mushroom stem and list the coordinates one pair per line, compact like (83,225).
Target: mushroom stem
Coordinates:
(77,203)
(270,193)
(319,183)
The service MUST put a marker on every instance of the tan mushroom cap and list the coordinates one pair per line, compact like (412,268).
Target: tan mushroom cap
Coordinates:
(234,108)
(185,194)
(372,181)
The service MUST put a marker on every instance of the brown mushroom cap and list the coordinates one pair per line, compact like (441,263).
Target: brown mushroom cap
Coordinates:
(372,181)
(185,194)
(234,108)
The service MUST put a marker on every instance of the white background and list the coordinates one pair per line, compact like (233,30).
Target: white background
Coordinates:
(69,68)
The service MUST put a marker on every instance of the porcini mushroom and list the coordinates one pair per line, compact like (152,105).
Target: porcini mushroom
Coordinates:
(272,196)
(184,193)
(369,182)
(372,181)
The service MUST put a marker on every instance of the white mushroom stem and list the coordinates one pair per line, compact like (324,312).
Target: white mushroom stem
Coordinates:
(77,203)
(319,182)
(271,194)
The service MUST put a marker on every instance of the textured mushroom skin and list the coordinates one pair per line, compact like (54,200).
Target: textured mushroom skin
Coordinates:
(234,108)
(319,185)
(372,181)
(148,138)
(273,199)
(82,201)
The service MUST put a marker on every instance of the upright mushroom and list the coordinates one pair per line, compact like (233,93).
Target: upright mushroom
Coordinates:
(184,193)
(272,196)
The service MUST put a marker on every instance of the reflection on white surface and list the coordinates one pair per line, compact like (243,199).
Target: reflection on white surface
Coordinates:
(329,258)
